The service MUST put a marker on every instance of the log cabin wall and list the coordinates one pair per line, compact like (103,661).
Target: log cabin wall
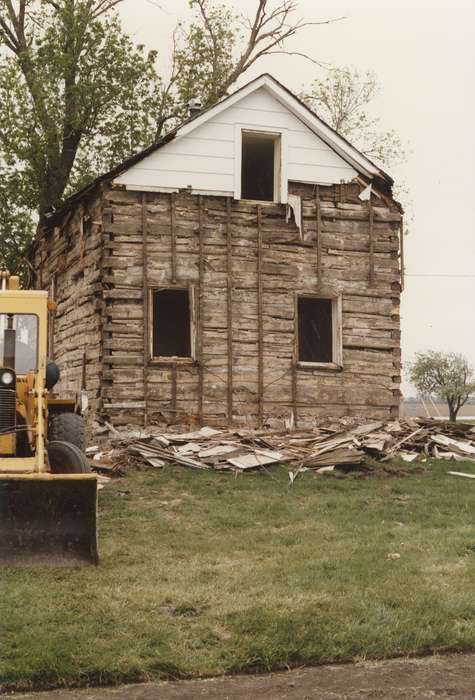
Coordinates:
(67,261)
(244,266)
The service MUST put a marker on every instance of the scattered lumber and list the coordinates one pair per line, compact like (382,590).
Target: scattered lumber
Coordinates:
(466,476)
(342,444)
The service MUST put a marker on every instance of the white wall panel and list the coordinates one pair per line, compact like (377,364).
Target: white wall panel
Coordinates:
(205,157)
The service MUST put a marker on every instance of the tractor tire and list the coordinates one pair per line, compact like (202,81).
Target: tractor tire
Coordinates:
(66,458)
(68,427)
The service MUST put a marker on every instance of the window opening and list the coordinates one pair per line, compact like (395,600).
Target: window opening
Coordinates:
(171,323)
(259,166)
(315,329)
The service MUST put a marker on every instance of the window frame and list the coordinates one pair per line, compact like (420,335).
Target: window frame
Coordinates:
(337,331)
(280,161)
(172,359)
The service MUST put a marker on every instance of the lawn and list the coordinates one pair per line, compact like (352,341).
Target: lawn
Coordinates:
(203,573)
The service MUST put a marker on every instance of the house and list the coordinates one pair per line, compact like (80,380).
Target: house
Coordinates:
(244,269)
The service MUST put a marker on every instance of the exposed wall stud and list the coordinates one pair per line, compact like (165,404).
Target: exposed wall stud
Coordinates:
(201,264)
(173,235)
(294,392)
(146,313)
(260,333)
(229,269)
(318,235)
(401,252)
(106,372)
(174,372)
(371,243)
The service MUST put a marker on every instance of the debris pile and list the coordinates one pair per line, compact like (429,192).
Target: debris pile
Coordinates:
(343,444)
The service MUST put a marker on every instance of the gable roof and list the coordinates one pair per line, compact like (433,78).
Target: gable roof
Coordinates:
(295,105)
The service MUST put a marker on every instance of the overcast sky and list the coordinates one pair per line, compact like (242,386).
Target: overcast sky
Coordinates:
(423,52)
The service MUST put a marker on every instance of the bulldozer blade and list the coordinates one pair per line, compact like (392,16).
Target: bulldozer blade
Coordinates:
(48,521)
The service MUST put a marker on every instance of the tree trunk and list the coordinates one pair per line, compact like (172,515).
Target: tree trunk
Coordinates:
(452,413)
(57,175)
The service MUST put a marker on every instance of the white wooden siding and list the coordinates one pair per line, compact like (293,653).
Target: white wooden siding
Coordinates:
(205,159)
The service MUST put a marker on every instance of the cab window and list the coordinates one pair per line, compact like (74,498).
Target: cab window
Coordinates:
(19,342)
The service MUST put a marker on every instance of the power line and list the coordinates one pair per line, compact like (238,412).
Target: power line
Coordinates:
(438,274)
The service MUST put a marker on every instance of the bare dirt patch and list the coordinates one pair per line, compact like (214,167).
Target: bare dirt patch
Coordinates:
(451,676)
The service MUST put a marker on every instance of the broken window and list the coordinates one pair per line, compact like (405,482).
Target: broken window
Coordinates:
(171,323)
(316,329)
(259,166)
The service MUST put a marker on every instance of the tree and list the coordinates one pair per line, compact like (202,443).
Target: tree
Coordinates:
(447,375)
(218,46)
(343,99)
(77,96)
(71,80)
(17,223)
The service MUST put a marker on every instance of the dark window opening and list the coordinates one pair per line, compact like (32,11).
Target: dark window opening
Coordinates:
(171,323)
(258,166)
(315,319)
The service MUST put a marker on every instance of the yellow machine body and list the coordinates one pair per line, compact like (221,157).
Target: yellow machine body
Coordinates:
(45,518)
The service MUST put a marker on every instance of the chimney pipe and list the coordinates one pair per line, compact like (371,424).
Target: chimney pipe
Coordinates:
(194,106)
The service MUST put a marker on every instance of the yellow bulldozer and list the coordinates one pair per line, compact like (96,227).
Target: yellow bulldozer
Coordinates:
(48,495)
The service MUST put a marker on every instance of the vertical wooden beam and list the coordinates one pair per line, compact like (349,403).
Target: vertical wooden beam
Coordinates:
(173,235)
(103,306)
(174,391)
(201,263)
(229,269)
(146,310)
(260,334)
(401,252)
(295,358)
(318,235)
(371,242)
(83,371)
(82,238)
(294,391)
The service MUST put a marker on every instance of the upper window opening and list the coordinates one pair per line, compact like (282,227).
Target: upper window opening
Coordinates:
(316,329)
(171,323)
(260,166)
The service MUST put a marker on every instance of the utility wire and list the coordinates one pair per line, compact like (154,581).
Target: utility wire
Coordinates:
(437,274)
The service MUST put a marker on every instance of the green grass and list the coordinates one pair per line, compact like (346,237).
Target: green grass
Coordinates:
(204,573)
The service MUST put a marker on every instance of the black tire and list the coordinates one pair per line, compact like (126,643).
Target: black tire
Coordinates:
(68,427)
(66,458)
